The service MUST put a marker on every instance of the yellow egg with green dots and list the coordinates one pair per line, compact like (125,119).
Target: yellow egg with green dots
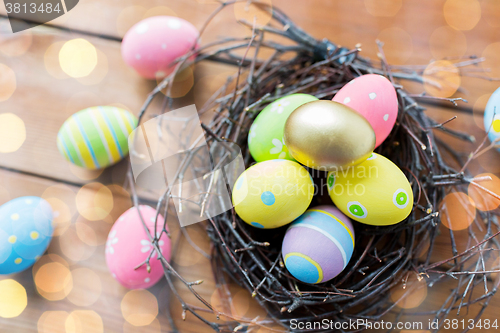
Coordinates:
(374,192)
(272,193)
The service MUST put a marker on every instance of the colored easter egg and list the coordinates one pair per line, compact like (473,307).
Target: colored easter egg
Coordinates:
(152,45)
(375,98)
(265,139)
(373,192)
(318,245)
(128,246)
(272,193)
(96,137)
(25,233)
(492,116)
(327,135)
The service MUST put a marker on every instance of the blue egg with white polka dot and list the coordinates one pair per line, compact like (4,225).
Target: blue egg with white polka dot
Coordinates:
(25,233)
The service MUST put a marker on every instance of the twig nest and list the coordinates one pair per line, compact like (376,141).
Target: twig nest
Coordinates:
(373,192)
(273,193)
(327,135)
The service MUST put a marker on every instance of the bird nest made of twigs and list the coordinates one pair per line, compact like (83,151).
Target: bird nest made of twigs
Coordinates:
(384,256)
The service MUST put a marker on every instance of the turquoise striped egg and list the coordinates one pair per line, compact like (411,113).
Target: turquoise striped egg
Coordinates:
(318,245)
(96,137)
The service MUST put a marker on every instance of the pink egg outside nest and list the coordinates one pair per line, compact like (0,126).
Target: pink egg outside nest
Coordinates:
(128,246)
(153,44)
(374,97)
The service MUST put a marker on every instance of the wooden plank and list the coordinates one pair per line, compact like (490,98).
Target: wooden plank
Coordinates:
(79,243)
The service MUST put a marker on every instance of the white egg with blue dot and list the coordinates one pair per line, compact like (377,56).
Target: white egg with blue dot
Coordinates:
(272,193)
(492,117)
(25,232)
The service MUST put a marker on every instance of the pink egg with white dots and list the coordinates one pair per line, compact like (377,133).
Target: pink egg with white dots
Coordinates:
(375,98)
(128,246)
(152,45)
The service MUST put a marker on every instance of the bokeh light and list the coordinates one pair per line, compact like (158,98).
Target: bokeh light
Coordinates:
(413,291)
(73,247)
(14,45)
(183,82)
(398,45)
(457,211)
(51,61)
(52,321)
(478,110)
(84,321)
(154,327)
(250,12)
(462,14)
(61,215)
(491,8)
(158,11)
(441,78)
(492,60)
(383,8)
(447,42)
(128,17)
(7,82)
(13,298)
(99,73)
(62,200)
(94,201)
(240,303)
(78,57)
(139,307)
(219,304)
(12,131)
(86,234)
(86,287)
(53,281)
(185,247)
(482,199)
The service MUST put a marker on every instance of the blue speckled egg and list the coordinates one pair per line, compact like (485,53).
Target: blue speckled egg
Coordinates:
(492,116)
(25,233)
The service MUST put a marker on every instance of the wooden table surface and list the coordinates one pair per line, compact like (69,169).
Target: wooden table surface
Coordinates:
(81,296)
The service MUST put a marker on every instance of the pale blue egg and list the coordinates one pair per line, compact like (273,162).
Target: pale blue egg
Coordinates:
(25,233)
(492,117)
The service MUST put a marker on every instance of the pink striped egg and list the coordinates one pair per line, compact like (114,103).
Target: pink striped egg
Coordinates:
(128,246)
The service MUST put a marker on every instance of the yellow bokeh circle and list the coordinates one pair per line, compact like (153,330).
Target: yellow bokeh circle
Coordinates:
(441,78)
(94,201)
(139,307)
(7,82)
(12,132)
(13,298)
(78,57)
(462,14)
(383,8)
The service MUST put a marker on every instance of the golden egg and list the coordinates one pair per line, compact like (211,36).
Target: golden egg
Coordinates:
(327,135)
